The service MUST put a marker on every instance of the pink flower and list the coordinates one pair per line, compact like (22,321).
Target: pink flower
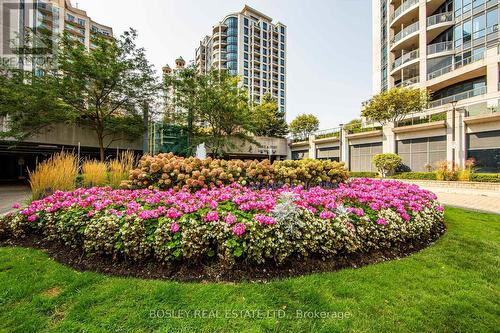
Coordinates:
(326,214)
(239,229)
(32,218)
(212,216)
(16,205)
(230,218)
(264,219)
(174,227)
(173,213)
(382,221)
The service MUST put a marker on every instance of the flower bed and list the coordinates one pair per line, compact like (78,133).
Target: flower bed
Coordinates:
(232,223)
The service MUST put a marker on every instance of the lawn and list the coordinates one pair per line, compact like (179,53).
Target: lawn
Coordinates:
(451,286)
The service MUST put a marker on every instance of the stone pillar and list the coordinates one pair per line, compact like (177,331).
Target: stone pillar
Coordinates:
(460,130)
(344,141)
(491,72)
(312,146)
(388,139)
(422,42)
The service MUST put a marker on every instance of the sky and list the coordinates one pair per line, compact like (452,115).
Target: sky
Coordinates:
(329,44)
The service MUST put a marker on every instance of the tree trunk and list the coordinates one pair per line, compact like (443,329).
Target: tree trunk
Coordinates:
(100,140)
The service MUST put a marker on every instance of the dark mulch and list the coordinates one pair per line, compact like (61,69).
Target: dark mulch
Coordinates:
(213,271)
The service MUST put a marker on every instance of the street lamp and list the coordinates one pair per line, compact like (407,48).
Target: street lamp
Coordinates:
(453,144)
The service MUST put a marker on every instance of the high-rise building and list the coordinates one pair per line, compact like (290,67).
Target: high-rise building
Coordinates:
(250,45)
(451,48)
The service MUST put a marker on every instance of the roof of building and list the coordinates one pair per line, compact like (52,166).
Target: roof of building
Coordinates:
(247,8)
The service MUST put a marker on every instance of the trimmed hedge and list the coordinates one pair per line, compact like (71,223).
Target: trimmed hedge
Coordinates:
(486,177)
(415,175)
(363,174)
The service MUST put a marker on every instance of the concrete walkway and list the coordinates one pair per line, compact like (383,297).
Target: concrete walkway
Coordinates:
(482,200)
(10,194)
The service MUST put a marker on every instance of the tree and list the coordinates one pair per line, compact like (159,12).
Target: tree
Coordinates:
(393,105)
(108,87)
(224,111)
(268,119)
(386,163)
(304,125)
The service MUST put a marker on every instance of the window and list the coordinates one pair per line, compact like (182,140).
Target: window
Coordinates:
(283,78)
(264,83)
(458,7)
(81,21)
(245,39)
(477,3)
(264,67)
(492,20)
(282,70)
(282,108)
(245,64)
(282,38)
(282,62)
(245,72)
(245,22)
(282,54)
(282,85)
(282,93)
(467,5)
(264,43)
(264,35)
(245,31)
(245,56)
(282,46)
(282,30)
(245,48)
(282,101)
(458,35)
(264,25)
(478,26)
(467,31)
(264,51)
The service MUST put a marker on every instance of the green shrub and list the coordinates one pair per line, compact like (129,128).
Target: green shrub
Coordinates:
(415,175)
(309,172)
(363,174)
(486,177)
(386,163)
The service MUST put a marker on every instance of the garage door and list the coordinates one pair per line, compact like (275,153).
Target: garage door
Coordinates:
(300,154)
(416,154)
(484,147)
(360,156)
(328,153)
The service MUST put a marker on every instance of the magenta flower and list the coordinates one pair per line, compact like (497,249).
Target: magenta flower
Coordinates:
(264,219)
(230,218)
(174,227)
(173,213)
(16,205)
(239,229)
(32,218)
(326,214)
(212,216)
(382,221)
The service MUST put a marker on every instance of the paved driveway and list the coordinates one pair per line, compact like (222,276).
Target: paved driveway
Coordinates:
(10,194)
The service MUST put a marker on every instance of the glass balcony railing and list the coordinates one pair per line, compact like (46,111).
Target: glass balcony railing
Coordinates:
(412,55)
(439,47)
(328,133)
(440,18)
(405,32)
(407,82)
(456,65)
(481,109)
(458,97)
(422,119)
(404,6)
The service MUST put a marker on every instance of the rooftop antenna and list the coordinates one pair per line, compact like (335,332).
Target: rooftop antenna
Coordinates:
(77,5)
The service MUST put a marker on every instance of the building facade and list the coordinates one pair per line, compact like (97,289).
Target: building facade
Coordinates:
(250,45)
(56,17)
(451,48)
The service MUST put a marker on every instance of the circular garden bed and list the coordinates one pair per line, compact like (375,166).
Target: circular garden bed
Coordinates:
(229,232)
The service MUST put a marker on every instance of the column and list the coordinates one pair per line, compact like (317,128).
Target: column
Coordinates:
(312,146)
(344,156)
(388,139)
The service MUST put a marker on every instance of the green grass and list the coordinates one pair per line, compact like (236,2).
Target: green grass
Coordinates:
(451,286)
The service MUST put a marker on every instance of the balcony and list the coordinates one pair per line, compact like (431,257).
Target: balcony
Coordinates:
(404,34)
(403,9)
(405,58)
(436,24)
(455,65)
(408,82)
(437,49)
(331,133)
(422,119)
(458,97)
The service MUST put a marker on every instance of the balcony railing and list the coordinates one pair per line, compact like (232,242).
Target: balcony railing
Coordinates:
(407,82)
(328,133)
(481,109)
(439,47)
(405,32)
(412,55)
(456,65)
(404,6)
(422,119)
(458,97)
(439,18)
